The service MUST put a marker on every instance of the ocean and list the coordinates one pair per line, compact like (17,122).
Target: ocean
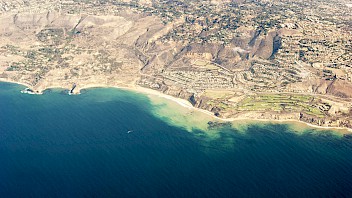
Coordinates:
(109,142)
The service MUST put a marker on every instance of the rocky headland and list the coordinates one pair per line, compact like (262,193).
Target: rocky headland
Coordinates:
(268,60)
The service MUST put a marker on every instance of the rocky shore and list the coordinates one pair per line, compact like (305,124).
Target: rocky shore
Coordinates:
(190,100)
(199,102)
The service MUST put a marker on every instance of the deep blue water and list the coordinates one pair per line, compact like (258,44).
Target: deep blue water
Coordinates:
(55,145)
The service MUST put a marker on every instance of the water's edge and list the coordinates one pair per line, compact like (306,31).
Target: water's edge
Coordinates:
(181,105)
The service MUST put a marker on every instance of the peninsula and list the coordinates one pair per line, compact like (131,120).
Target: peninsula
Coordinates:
(255,59)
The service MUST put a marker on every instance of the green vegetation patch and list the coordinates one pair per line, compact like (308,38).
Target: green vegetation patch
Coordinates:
(280,102)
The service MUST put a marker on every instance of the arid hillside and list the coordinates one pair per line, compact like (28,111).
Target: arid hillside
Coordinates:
(192,50)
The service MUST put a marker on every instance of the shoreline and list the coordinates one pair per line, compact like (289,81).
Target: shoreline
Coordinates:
(184,103)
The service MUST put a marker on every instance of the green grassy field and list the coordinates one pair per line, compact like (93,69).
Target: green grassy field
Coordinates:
(280,103)
(269,102)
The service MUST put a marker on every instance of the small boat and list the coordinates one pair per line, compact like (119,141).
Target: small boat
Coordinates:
(130,131)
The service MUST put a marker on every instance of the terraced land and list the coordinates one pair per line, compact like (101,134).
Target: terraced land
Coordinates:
(311,105)
(282,103)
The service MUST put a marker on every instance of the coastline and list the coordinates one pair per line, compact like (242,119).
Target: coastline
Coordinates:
(186,104)
(14,82)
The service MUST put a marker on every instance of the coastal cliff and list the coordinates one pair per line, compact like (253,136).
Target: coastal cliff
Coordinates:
(217,108)
(211,54)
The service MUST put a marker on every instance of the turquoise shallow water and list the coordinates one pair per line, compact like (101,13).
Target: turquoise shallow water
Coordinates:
(55,145)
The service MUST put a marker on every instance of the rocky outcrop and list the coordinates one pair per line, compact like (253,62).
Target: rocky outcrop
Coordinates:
(340,89)
(217,125)
(268,46)
(325,121)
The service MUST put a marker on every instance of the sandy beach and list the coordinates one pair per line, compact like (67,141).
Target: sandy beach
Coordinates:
(186,104)
(19,83)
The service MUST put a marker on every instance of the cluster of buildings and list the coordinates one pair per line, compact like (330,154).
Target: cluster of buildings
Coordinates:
(200,80)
